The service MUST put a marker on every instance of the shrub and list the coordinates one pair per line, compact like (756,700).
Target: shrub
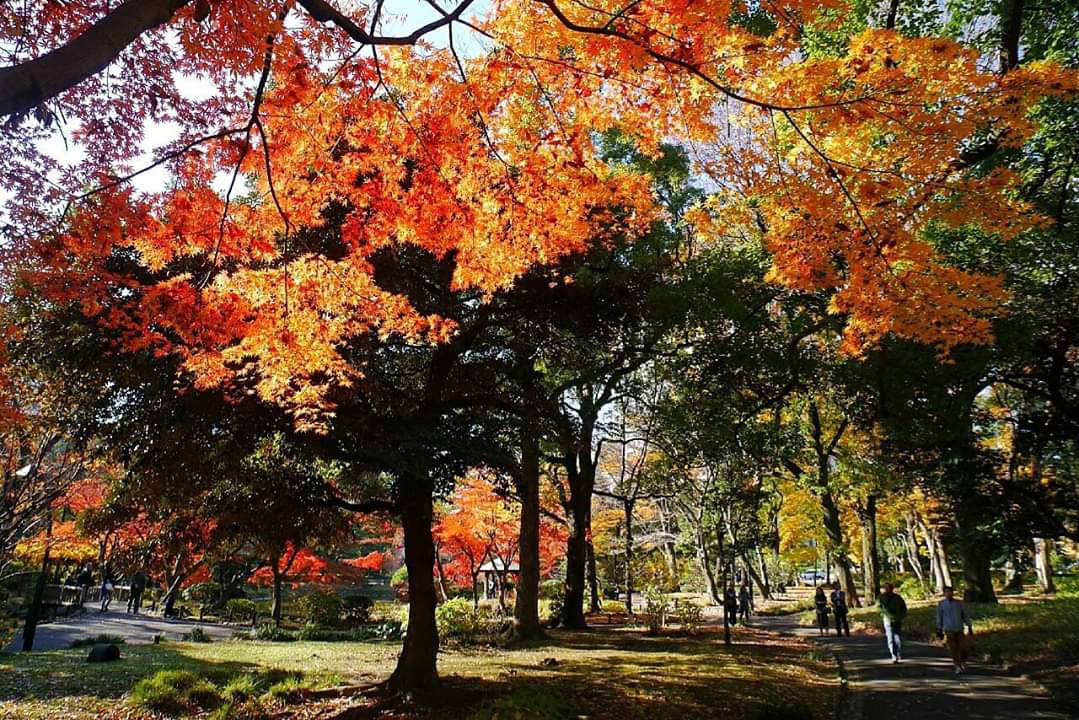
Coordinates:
(689,615)
(310,632)
(399,581)
(357,609)
(321,608)
(197,635)
(456,618)
(269,631)
(551,589)
(613,606)
(101,639)
(175,692)
(241,608)
(656,607)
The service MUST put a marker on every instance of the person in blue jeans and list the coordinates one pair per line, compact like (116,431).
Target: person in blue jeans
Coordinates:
(892,611)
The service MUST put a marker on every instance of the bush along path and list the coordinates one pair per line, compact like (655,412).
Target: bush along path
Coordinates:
(923,685)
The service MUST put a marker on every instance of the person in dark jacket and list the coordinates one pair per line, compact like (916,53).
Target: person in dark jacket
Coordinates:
(138,585)
(839,607)
(820,603)
(893,609)
(745,603)
(730,605)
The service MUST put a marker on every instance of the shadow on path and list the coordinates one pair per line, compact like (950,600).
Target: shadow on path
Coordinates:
(133,628)
(924,686)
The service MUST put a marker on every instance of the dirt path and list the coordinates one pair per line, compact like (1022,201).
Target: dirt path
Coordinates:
(133,628)
(924,686)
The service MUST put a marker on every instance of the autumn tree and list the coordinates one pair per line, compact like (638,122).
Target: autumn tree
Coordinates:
(284,288)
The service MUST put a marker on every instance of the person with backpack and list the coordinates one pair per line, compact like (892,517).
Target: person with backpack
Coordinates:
(839,607)
(820,602)
(952,615)
(893,609)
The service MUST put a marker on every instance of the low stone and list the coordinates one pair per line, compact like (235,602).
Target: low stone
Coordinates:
(103,652)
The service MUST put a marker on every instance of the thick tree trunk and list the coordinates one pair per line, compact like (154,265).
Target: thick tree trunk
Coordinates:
(23,87)
(974,552)
(834,531)
(416,666)
(33,614)
(1043,566)
(576,560)
(526,609)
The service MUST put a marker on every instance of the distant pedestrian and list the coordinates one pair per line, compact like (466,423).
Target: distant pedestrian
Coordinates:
(952,615)
(893,609)
(745,603)
(820,602)
(137,581)
(84,579)
(839,607)
(106,589)
(730,605)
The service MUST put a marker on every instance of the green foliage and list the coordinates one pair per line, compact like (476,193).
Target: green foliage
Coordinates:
(656,607)
(457,619)
(176,693)
(100,639)
(357,609)
(269,631)
(528,703)
(241,607)
(197,635)
(613,606)
(689,615)
(321,608)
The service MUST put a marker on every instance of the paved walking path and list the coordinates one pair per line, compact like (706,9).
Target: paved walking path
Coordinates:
(924,685)
(133,628)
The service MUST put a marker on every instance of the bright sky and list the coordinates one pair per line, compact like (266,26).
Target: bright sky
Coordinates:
(399,17)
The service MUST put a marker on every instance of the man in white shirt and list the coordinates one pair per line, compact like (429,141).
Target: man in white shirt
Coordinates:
(952,615)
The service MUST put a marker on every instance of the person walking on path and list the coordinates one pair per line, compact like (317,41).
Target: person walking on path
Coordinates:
(730,605)
(820,602)
(138,585)
(745,603)
(952,615)
(839,607)
(893,608)
(84,579)
(106,589)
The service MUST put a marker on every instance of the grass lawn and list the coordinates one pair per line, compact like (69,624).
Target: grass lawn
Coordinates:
(613,673)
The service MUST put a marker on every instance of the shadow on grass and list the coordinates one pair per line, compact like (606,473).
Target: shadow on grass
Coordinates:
(625,676)
(57,674)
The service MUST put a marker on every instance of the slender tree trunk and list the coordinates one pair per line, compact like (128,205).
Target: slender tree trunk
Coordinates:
(441,587)
(762,564)
(593,579)
(724,579)
(716,594)
(173,585)
(871,551)
(627,507)
(526,608)
(416,667)
(275,609)
(762,585)
(1043,566)
(1013,575)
